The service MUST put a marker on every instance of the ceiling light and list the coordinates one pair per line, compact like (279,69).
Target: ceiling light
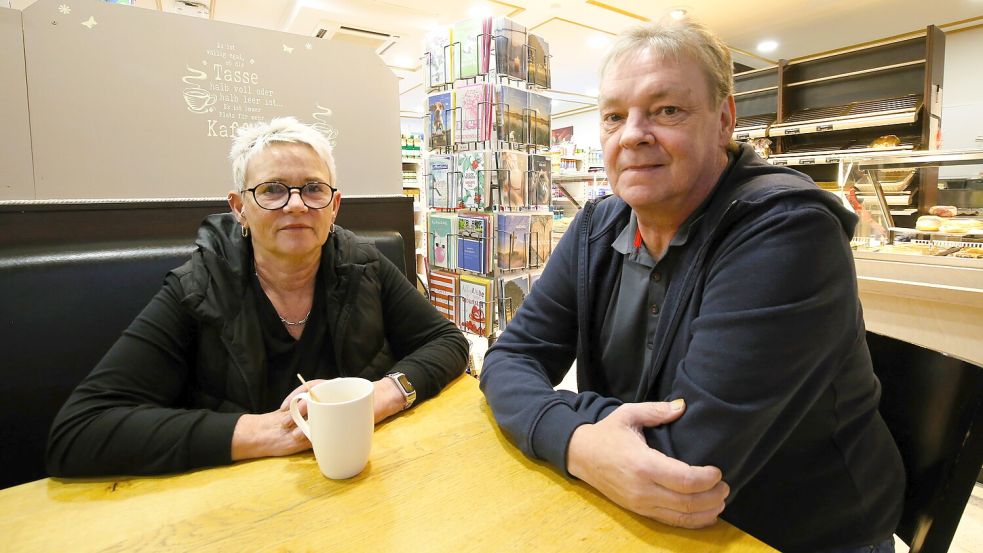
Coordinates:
(677,14)
(592,92)
(598,41)
(403,61)
(480,10)
(767,46)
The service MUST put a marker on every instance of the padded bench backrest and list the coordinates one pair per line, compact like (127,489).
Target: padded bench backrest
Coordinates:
(60,311)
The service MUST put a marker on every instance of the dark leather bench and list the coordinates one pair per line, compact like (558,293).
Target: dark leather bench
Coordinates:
(62,307)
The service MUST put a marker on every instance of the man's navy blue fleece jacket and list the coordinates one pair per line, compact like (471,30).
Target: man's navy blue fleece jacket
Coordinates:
(764,338)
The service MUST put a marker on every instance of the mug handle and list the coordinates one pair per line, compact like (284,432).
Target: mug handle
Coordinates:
(295,413)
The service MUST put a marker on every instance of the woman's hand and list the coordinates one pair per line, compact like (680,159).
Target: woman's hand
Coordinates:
(387,399)
(268,435)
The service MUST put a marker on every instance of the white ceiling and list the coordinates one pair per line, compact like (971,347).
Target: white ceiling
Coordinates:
(577,30)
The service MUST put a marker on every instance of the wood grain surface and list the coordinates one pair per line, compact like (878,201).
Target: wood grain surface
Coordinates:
(441,477)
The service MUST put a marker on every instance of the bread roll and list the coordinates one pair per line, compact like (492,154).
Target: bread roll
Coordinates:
(943,210)
(928,223)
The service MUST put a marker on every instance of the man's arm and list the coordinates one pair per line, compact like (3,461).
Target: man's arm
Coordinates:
(778,318)
(121,419)
(532,356)
(607,452)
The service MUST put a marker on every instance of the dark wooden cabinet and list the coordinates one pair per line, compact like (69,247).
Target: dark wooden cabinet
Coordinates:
(817,110)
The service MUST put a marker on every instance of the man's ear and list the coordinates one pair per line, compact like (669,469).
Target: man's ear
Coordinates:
(728,119)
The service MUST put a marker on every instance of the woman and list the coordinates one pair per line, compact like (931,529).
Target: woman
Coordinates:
(202,376)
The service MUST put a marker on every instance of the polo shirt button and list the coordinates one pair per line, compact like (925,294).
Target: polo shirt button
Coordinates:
(650,344)
(655,309)
(656,276)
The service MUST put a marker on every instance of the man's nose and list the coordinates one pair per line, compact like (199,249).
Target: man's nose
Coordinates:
(637,131)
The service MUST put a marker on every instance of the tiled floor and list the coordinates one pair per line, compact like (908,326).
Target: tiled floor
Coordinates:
(969,535)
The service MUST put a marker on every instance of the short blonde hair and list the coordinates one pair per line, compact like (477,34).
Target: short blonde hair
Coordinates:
(672,39)
(253,139)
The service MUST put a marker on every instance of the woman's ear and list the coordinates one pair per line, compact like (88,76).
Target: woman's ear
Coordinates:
(236,205)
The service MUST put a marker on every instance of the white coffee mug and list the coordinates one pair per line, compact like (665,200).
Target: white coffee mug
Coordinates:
(339,425)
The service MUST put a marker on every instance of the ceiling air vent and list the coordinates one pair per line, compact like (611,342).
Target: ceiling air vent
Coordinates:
(194,8)
(379,41)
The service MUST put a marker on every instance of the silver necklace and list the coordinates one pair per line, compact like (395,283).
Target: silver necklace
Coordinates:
(298,323)
(285,321)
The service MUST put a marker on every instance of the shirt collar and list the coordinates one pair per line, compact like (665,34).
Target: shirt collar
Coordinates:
(625,242)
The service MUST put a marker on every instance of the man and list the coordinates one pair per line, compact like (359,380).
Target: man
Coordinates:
(724,284)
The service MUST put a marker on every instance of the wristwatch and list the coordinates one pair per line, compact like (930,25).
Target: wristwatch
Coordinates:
(403,383)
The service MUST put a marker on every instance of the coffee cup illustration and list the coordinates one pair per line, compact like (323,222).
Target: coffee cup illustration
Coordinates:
(322,125)
(198,99)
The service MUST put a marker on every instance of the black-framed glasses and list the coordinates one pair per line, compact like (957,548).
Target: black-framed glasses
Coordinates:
(275,195)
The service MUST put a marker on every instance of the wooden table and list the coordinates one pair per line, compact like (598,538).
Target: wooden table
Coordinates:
(441,477)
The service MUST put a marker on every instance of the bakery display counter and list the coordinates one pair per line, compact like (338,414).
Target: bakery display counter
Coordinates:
(922,283)
(931,301)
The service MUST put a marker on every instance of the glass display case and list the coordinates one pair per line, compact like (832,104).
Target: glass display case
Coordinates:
(949,220)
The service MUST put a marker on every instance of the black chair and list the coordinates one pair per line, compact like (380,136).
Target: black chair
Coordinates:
(933,405)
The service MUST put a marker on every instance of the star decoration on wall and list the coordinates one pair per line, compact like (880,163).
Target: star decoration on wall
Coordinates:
(90,22)
(65,9)
(308,46)
(251,61)
(288,49)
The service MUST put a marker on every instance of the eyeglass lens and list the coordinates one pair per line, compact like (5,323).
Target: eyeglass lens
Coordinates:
(274,195)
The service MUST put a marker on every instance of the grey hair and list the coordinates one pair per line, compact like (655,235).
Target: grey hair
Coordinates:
(671,39)
(253,139)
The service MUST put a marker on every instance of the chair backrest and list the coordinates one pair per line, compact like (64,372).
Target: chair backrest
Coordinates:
(933,405)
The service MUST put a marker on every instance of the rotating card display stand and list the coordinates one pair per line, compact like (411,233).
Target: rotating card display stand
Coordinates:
(489,189)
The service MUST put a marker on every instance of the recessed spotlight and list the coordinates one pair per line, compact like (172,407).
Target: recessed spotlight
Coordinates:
(677,14)
(767,46)
(592,92)
(597,41)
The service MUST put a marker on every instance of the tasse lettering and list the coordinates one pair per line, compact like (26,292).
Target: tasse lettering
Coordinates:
(234,75)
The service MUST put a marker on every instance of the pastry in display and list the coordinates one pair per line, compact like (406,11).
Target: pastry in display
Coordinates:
(910,249)
(928,223)
(762,146)
(886,141)
(955,226)
(943,210)
(971,253)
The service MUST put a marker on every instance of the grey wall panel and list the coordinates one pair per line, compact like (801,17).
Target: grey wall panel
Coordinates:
(17,173)
(130,103)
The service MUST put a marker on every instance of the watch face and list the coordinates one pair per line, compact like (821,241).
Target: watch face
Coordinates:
(405,383)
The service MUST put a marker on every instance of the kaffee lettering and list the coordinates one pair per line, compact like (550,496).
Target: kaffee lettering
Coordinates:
(234,75)
(224,131)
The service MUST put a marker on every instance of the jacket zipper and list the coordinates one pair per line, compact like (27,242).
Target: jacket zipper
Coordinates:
(649,373)
(355,280)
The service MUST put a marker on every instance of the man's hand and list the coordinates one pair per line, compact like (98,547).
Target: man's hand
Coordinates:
(268,435)
(612,456)
(387,400)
